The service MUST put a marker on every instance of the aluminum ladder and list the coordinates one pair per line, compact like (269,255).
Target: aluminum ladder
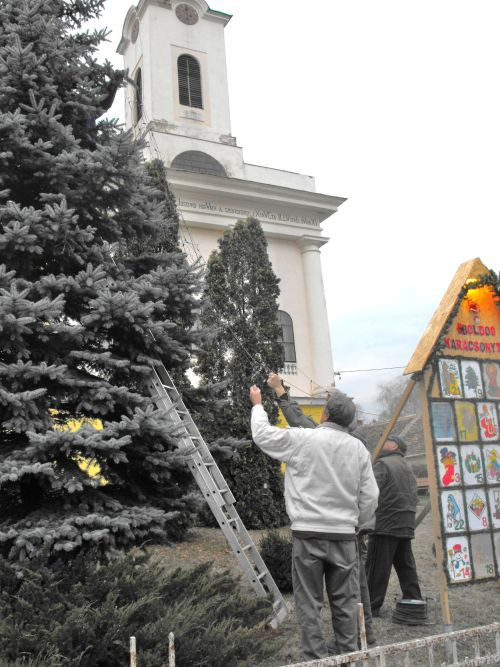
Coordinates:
(216,491)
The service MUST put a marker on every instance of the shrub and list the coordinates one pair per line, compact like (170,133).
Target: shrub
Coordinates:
(84,615)
(241,305)
(276,550)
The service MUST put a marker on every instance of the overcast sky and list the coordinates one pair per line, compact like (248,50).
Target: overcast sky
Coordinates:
(396,106)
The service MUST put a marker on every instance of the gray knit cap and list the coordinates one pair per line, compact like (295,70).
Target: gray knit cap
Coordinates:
(340,408)
(399,442)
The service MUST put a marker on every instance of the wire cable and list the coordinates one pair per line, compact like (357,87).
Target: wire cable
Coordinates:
(190,247)
(368,370)
(198,256)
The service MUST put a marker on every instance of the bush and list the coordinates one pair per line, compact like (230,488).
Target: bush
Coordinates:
(276,551)
(84,615)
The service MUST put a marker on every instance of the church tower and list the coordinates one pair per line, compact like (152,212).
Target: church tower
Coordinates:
(174,52)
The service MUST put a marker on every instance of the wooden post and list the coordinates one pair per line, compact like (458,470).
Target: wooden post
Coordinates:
(434,498)
(393,420)
(171,650)
(361,626)
(133,652)
(362,629)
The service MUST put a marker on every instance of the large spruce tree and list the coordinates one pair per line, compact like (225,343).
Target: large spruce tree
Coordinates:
(241,303)
(92,291)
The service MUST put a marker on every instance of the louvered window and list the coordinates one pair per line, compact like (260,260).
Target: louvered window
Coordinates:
(287,338)
(138,96)
(188,71)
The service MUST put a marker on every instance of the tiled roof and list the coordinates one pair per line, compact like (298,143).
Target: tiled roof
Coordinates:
(409,428)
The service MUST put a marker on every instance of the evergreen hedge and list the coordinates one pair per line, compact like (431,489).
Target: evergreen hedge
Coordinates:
(83,615)
(276,550)
(241,304)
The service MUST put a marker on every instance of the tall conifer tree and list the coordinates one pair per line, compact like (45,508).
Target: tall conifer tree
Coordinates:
(82,316)
(241,302)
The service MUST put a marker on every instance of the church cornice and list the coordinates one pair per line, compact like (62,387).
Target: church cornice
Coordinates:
(323,205)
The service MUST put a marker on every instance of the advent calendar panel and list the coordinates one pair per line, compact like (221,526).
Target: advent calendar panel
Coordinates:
(465,417)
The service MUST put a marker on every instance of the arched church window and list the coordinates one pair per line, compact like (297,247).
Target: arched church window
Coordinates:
(138,95)
(287,338)
(189,75)
(199,162)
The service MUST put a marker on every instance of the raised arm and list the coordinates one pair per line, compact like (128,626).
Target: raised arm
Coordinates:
(276,442)
(290,408)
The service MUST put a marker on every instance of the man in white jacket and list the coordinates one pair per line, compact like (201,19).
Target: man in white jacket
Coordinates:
(330,493)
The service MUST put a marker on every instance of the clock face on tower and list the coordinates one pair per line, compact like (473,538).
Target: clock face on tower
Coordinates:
(186,14)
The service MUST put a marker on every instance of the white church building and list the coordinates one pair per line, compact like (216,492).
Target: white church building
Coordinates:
(175,53)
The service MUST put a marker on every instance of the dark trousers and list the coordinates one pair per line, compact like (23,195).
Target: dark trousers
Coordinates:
(335,563)
(384,551)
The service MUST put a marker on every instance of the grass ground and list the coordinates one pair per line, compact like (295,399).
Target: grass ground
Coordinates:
(471,605)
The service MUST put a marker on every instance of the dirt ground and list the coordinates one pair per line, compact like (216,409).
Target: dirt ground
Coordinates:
(471,605)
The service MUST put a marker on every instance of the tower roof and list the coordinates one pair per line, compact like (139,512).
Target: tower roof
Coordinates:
(137,11)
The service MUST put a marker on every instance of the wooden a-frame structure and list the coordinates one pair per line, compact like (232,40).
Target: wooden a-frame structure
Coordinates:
(419,366)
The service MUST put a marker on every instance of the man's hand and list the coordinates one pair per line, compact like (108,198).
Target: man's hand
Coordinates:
(276,383)
(255,397)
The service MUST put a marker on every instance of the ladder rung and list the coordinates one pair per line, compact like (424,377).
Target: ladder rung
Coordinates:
(167,386)
(262,575)
(245,548)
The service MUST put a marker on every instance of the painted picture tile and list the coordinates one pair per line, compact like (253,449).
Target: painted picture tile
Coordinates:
(458,558)
(483,558)
(452,503)
(471,374)
(442,422)
(477,512)
(449,373)
(491,376)
(449,467)
(492,464)
(466,421)
(488,421)
(472,464)
(494,501)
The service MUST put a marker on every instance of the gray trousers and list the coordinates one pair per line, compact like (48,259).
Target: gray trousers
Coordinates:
(335,563)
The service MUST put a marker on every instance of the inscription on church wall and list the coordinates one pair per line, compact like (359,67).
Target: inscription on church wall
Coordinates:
(260,213)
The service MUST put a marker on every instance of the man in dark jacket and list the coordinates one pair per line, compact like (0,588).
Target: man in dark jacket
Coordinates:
(390,543)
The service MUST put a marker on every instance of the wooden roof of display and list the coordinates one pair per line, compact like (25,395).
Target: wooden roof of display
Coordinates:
(474,268)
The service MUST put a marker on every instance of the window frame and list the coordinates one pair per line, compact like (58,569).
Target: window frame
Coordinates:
(212,166)
(189,82)
(286,324)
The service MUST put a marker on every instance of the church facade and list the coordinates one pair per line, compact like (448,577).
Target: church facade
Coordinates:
(175,56)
